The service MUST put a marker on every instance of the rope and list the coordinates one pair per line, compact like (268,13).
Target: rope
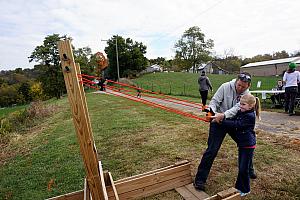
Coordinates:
(148,91)
(165,99)
(147,102)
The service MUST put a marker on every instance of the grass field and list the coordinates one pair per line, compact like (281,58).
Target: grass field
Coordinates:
(132,138)
(186,84)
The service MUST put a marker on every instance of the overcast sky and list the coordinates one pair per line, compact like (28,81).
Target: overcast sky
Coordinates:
(248,27)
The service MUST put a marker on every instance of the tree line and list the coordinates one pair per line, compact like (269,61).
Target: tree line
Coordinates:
(45,80)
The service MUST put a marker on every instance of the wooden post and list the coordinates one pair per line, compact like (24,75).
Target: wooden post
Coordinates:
(81,121)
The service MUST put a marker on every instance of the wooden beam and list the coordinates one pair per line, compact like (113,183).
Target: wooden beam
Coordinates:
(77,195)
(86,191)
(198,194)
(116,196)
(81,121)
(229,194)
(236,196)
(226,193)
(186,194)
(153,182)
(183,162)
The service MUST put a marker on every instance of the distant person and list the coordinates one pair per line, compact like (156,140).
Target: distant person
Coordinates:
(204,86)
(243,126)
(225,105)
(139,93)
(101,84)
(291,78)
(277,98)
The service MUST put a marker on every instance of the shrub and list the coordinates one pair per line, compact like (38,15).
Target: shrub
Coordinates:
(37,110)
(5,129)
(21,120)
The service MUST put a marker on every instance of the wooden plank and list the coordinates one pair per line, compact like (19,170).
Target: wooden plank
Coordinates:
(226,193)
(86,191)
(102,179)
(156,188)
(106,178)
(198,194)
(236,196)
(215,197)
(77,195)
(186,194)
(152,172)
(81,121)
(116,196)
(152,179)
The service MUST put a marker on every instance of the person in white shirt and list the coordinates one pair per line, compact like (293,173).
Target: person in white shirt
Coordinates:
(291,78)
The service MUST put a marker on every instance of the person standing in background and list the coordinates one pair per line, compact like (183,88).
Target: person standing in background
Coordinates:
(277,98)
(204,86)
(291,78)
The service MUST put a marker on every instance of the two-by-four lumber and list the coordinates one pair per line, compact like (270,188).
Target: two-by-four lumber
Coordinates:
(81,121)
(226,193)
(188,192)
(86,191)
(229,194)
(109,182)
(148,184)
(77,195)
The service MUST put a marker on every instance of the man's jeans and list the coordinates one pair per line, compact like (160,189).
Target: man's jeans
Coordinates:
(216,136)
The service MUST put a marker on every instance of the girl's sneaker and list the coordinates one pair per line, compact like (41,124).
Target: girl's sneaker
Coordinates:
(243,193)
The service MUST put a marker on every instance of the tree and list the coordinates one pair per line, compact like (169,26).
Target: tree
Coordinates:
(161,61)
(24,90)
(295,54)
(192,49)
(279,55)
(36,91)
(51,75)
(83,56)
(9,95)
(130,55)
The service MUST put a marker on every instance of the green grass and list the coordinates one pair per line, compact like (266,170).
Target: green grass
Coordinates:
(5,111)
(132,138)
(179,83)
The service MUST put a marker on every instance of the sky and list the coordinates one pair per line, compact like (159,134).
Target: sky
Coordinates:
(243,27)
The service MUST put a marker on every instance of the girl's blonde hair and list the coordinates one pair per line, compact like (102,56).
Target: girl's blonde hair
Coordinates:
(252,101)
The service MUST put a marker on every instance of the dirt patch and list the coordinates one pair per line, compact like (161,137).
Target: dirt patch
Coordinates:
(279,124)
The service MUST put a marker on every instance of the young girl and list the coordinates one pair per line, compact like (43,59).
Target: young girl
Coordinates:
(243,124)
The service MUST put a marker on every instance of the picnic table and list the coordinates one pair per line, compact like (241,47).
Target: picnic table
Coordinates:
(265,92)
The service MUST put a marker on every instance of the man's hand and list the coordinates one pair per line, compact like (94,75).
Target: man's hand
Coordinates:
(218,117)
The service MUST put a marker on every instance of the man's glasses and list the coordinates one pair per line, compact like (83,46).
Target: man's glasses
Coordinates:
(245,78)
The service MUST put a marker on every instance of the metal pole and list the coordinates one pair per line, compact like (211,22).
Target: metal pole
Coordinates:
(117,59)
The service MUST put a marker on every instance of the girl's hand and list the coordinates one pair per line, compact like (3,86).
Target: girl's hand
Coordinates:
(218,117)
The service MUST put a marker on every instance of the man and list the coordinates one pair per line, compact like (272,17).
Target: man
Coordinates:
(204,86)
(101,84)
(225,104)
(277,97)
